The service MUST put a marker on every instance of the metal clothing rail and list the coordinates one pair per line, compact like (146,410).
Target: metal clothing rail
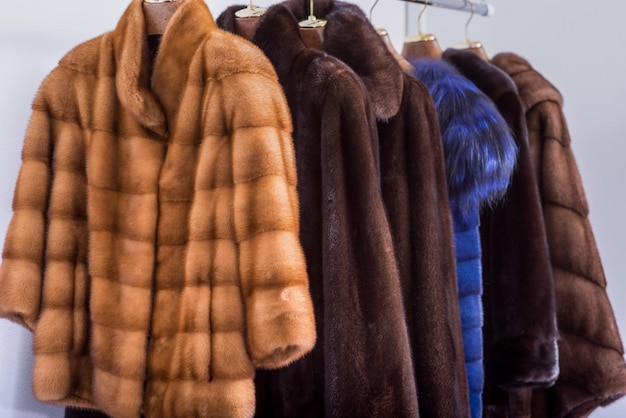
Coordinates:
(483,9)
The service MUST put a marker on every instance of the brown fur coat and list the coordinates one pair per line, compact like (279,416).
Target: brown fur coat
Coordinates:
(592,369)
(414,189)
(154,245)
(520,316)
(361,365)
(415,195)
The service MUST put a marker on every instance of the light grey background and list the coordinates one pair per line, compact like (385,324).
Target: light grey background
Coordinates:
(578,45)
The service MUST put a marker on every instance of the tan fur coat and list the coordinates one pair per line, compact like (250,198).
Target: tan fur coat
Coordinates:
(154,246)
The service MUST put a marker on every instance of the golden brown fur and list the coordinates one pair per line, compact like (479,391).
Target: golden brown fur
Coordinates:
(155,232)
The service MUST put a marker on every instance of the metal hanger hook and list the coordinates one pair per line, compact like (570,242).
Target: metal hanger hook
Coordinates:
(467,39)
(419,18)
(372,9)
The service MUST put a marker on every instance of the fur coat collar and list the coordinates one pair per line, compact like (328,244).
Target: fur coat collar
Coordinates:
(535,88)
(492,81)
(153,99)
(276,34)
(347,26)
(163,261)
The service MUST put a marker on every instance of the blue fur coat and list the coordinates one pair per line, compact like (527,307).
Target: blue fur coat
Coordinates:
(480,155)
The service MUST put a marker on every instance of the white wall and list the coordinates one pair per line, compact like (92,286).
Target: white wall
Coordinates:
(577,45)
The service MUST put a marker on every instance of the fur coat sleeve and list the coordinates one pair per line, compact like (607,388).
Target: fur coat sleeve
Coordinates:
(154,248)
(592,369)
(520,331)
(22,269)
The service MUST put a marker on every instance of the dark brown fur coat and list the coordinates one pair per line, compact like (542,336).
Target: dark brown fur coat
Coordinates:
(154,245)
(415,194)
(520,317)
(592,368)
(361,366)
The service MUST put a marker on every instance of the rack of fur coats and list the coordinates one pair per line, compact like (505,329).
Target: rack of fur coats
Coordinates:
(434,258)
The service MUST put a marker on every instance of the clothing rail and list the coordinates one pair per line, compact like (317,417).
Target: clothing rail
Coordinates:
(482,9)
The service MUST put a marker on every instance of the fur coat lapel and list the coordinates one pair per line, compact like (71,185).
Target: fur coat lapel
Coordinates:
(533,87)
(154,244)
(347,31)
(362,363)
(279,40)
(153,99)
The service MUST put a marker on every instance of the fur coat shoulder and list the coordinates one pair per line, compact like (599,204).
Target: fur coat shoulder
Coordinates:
(520,332)
(480,155)
(592,369)
(154,245)
(361,365)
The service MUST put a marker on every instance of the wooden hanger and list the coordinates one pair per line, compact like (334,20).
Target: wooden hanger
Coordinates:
(247,19)
(384,35)
(421,45)
(474,46)
(312,29)
(157,14)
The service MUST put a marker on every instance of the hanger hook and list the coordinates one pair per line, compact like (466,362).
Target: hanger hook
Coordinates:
(419,18)
(312,21)
(468,21)
(372,9)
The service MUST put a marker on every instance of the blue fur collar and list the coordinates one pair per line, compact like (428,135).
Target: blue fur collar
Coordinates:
(480,152)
